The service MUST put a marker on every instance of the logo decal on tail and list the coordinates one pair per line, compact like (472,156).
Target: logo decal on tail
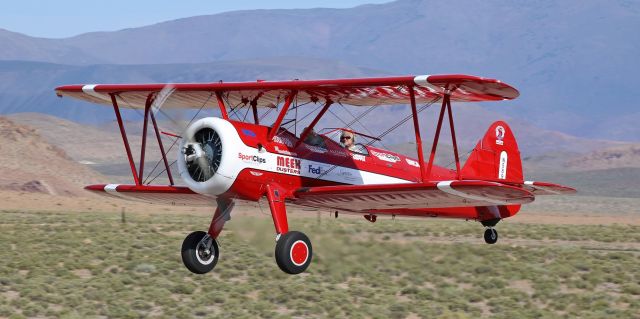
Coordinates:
(499,135)
(502,169)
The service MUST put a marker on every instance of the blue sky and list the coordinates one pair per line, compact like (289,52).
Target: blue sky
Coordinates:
(65,18)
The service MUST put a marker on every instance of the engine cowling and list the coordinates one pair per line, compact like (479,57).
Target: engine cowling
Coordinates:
(206,161)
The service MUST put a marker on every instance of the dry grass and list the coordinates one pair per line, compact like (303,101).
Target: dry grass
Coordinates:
(93,265)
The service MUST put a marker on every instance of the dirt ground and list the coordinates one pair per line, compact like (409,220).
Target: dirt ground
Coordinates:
(569,210)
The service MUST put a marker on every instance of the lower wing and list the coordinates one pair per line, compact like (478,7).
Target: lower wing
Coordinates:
(459,193)
(171,195)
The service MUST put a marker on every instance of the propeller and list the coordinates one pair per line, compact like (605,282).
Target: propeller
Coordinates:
(160,100)
(203,154)
(175,117)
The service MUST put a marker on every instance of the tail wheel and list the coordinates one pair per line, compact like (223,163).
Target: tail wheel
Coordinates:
(293,252)
(200,252)
(490,236)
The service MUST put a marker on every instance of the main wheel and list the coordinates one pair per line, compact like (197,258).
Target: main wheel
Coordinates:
(293,252)
(200,252)
(490,236)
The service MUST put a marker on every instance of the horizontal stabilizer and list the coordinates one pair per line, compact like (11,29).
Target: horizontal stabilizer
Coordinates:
(543,188)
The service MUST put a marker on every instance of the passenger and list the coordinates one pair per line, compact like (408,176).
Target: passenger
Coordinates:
(314,139)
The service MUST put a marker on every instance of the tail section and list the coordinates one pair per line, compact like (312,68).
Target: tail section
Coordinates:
(495,157)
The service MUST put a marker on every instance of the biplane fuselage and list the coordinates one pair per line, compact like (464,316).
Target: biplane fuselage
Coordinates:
(295,165)
(222,160)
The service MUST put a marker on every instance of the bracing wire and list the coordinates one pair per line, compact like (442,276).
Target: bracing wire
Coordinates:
(385,133)
(357,120)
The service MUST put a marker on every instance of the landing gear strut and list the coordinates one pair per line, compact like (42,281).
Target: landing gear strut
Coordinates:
(293,249)
(200,249)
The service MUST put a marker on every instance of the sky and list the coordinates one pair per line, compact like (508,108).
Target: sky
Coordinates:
(66,18)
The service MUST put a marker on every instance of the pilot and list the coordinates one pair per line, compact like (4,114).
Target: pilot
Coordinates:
(348,140)
(313,138)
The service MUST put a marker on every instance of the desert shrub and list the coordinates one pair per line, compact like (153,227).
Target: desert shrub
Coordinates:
(631,288)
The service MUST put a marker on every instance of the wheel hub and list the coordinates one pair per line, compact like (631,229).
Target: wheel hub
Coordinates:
(299,253)
(203,250)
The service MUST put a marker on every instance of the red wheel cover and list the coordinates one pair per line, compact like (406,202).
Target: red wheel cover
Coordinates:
(299,253)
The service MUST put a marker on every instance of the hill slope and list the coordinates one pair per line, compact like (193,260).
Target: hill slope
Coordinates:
(30,164)
(29,86)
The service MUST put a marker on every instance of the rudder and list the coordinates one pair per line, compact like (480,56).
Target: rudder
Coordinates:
(495,157)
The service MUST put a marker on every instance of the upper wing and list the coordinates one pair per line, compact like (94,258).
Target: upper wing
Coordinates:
(365,91)
(463,193)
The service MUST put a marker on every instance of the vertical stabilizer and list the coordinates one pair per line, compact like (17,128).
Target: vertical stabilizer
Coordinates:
(495,157)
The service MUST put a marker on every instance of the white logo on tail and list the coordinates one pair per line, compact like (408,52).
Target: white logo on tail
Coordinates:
(502,169)
(499,135)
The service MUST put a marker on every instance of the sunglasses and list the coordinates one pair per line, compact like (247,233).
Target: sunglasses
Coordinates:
(345,138)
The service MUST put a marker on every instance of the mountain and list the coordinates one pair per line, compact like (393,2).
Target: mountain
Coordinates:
(620,156)
(16,46)
(29,86)
(574,62)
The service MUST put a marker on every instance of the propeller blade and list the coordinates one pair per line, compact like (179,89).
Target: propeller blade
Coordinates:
(161,98)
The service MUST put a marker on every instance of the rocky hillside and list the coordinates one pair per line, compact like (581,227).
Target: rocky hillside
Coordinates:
(620,156)
(28,163)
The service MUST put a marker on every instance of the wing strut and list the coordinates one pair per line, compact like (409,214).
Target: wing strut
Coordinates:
(145,124)
(116,109)
(453,138)
(306,131)
(164,155)
(283,112)
(137,176)
(416,128)
(446,104)
(223,109)
(254,108)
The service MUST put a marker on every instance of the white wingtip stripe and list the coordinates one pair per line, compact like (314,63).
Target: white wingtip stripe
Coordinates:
(112,189)
(90,89)
(423,81)
(445,186)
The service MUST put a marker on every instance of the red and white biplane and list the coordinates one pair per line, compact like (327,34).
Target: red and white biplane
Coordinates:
(223,160)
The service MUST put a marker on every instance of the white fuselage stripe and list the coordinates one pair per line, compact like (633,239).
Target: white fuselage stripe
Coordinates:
(318,170)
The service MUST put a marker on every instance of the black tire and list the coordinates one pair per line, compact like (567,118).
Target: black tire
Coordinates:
(490,236)
(194,255)
(293,252)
